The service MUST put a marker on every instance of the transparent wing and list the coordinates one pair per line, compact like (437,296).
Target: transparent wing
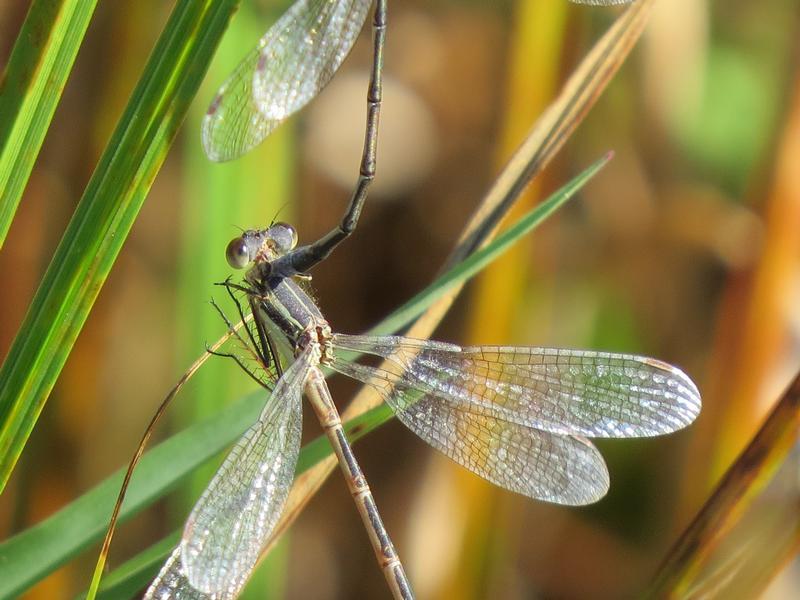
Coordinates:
(563,469)
(288,67)
(229,524)
(594,394)
(602,2)
(172,583)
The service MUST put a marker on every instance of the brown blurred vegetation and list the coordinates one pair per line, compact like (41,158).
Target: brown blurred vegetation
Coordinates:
(685,247)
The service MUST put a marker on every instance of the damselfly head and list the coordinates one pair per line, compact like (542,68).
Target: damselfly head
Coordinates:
(263,245)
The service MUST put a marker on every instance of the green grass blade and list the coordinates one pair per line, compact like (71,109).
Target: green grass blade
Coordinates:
(131,577)
(104,216)
(62,536)
(478,260)
(31,555)
(31,88)
(254,188)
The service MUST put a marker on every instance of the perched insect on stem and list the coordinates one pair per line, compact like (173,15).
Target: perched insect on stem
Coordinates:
(519,417)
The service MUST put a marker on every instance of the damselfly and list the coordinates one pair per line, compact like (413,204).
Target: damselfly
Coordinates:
(519,417)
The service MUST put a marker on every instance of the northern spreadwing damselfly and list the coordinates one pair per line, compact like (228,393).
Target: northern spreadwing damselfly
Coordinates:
(519,417)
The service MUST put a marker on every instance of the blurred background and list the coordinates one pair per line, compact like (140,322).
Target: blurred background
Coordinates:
(684,248)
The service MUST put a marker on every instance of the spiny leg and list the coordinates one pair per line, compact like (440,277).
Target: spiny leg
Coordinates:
(260,349)
(241,364)
(263,349)
(304,258)
(267,344)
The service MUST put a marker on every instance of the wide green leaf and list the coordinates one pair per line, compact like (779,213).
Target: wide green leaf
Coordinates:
(132,576)
(104,217)
(28,557)
(31,88)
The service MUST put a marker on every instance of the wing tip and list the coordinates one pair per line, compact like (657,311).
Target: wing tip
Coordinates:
(685,390)
(590,494)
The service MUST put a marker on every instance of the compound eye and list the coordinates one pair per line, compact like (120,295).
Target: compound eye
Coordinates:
(284,235)
(237,253)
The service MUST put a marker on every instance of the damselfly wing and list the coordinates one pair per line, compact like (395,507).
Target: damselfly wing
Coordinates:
(289,65)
